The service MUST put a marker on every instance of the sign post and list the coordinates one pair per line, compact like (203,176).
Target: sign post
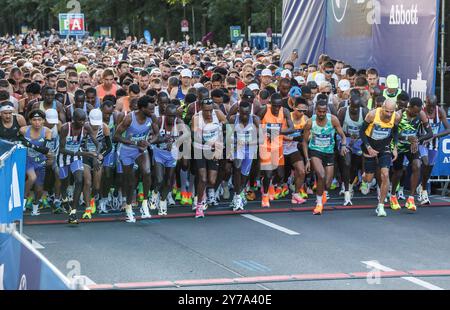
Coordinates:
(235,33)
(71,24)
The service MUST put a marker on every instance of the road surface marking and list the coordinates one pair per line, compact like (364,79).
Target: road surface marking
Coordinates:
(271,225)
(427,285)
(34,243)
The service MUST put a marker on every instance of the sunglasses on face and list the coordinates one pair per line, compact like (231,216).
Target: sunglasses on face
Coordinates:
(73,82)
(326,93)
(329,71)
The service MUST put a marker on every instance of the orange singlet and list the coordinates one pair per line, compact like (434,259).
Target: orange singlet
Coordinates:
(271,152)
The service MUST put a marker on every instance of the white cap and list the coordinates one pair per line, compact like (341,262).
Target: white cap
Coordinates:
(64,58)
(155,70)
(198,85)
(266,72)
(300,80)
(253,86)
(344,85)
(28,65)
(96,117)
(320,77)
(51,116)
(186,73)
(286,73)
(344,71)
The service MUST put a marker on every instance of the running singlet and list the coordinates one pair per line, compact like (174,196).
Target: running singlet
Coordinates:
(42,108)
(54,143)
(290,147)
(90,146)
(73,144)
(136,132)
(101,92)
(210,132)
(244,138)
(352,128)
(72,109)
(173,134)
(322,138)
(35,156)
(379,133)
(180,96)
(406,129)
(10,134)
(435,123)
(272,126)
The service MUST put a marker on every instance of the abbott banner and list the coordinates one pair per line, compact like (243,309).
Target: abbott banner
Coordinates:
(442,166)
(394,36)
(12,180)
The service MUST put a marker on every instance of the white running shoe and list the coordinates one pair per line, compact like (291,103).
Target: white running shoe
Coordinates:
(400,194)
(170,200)
(35,211)
(194,203)
(347,199)
(425,198)
(102,206)
(130,216)
(380,211)
(342,192)
(162,208)
(236,202)
(154,202)
(145,212)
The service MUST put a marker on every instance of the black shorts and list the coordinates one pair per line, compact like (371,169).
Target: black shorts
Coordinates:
(208,164)
(398,163)
(292,158)
(383,160)
(327,159)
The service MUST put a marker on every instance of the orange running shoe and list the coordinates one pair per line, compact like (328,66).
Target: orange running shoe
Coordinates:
(265,202)
(324,198)
(271,192)
(318,210)
(251,195)
(278,193)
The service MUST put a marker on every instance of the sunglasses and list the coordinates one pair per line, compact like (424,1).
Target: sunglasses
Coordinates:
(302,110)
(73,82)
(231,88)
(326,93)
(39,81)
(329,71)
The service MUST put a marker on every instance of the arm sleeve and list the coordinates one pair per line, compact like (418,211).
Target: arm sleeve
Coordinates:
(395,134)
(108,148)
(362,133)
(41,149)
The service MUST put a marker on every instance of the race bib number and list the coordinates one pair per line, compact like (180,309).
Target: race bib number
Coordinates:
(380,133)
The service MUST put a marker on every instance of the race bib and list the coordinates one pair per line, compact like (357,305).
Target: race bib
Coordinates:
(380,133)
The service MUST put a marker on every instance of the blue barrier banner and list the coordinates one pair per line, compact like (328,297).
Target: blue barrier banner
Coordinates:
(442,166)
(12,178)
(23,268)
(394,36)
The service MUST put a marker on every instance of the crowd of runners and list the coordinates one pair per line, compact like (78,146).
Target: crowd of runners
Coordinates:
(114,125)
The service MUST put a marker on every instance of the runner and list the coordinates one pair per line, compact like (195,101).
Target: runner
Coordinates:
(37,139)
(71,157)
(276,122)
(379,129)
(351,119)
(10,122)
(80,103)
(318,147)
(408,147)
(141,129)
(429,149)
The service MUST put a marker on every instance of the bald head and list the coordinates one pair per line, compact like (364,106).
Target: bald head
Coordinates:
(388,109)
(389,104)
(432,100)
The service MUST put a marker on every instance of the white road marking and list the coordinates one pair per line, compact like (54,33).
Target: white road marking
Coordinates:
(427,285)
(271,225)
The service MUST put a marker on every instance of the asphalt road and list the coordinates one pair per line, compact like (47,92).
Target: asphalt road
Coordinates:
(250,247)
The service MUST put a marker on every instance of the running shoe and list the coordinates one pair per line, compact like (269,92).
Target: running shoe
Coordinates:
(35,211)
(250,195)
(278,193)
(194,203)
(419,192)
(102,205)
(265,202)
(271,192)
(189,198)
(93,206)
(342,192)
(87,214)
(410,204)
(318,210)
(394,203)
(145,212)
(325,197)
(44,203)
(199,211)
(347,199)
(57,207)
(140,196)
(72,217)
(243,199)
(401,194)
(284,191)
(129,215)
(365,188)
(303,193)
(425,198)
(170,200)
(184,199)
(380,211)
(162,208)
(297,199)
(29,203)
(154,202)
(178,195)
(334,184)
(233,202)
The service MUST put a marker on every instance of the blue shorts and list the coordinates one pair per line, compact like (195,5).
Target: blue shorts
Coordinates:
(353,146)
(164,158)
(431,154)
(110,159)
(128,156)
(74,167)
(38,168)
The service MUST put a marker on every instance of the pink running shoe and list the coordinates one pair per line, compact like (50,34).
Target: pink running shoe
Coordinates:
(199,211)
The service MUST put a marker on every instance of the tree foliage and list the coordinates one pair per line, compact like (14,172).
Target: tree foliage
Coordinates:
(161,17)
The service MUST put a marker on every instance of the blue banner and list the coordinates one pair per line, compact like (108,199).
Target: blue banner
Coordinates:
(394,36)
(22,268)
(442,166)
(12,178)
(147,37)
